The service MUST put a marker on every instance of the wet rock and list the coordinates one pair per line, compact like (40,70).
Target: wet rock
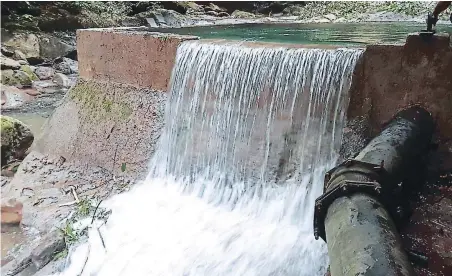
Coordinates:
(19,55)
(15,140)
(8,63)
(45,73)
(11,212)
(242,14)
(50,245)
(66,66)
(13,97)
(62,80)
(44,86)
(26,43)
(223,14)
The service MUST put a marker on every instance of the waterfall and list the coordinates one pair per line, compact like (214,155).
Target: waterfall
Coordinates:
(249,133)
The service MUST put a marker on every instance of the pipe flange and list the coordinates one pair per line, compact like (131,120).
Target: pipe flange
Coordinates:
(346,188)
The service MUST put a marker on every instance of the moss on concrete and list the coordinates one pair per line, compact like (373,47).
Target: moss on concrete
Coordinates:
(98,104)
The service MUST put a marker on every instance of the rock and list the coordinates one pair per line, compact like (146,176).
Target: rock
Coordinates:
(212,13)
(26,43)
(223,14)
(213,7)
(53,47)
(32,91)
(45,73)
(47,248)
(25,76)
(8,63)
(13,96)
(44,86)
(8,77)
(15,140)
(23,62)
(66,66)
(11,211)
(19,55)
(330,17)
(6,52)
(151,22)
(62,80)
(242,14)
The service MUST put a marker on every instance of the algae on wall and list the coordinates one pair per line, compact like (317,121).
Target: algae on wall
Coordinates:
(99,105)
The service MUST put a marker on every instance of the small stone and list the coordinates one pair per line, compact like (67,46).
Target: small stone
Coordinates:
(32,92)
(62,80)
(50,245)
(11,212)
(23,62)
(19,55)
(45,73)
(330,17)
(66,66)
(8,63)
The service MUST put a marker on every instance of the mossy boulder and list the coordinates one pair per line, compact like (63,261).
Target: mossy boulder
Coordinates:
(8,78)
(16,138)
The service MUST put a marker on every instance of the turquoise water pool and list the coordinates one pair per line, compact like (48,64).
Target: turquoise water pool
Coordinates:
(347,34)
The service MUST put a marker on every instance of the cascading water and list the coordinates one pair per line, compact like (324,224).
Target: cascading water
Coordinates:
(249,134)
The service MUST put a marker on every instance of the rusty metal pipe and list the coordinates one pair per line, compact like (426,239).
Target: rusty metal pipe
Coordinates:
(360,233)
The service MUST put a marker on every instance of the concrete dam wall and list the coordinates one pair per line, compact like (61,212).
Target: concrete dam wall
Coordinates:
(114,113)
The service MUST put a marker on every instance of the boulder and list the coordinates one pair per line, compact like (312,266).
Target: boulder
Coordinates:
(212,13)
(44,73)
(213,7)
(15,140)
(62,80)
(11,211)
(8,63)
(28,44)
(8,77)
(66,66)
(19,55)
(53,47)
(242,14)
(25,76)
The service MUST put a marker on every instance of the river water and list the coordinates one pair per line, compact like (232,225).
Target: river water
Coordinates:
(249,134)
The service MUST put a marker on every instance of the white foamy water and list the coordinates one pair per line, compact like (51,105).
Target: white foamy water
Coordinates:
(248,137)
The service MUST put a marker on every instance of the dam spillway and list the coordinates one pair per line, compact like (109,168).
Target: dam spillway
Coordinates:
(249,133)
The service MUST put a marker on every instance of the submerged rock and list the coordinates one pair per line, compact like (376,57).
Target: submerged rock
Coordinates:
(16,139)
